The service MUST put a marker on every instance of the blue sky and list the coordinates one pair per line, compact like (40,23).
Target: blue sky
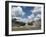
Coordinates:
(27,10)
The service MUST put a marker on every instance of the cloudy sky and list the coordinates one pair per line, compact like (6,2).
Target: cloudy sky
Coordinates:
(26,13)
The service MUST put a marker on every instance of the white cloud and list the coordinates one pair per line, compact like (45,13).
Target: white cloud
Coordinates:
(13,11)
(36,18)
(17,11)
(36,14)
(36,10)
(31,16)
(23,20)
(39,16)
